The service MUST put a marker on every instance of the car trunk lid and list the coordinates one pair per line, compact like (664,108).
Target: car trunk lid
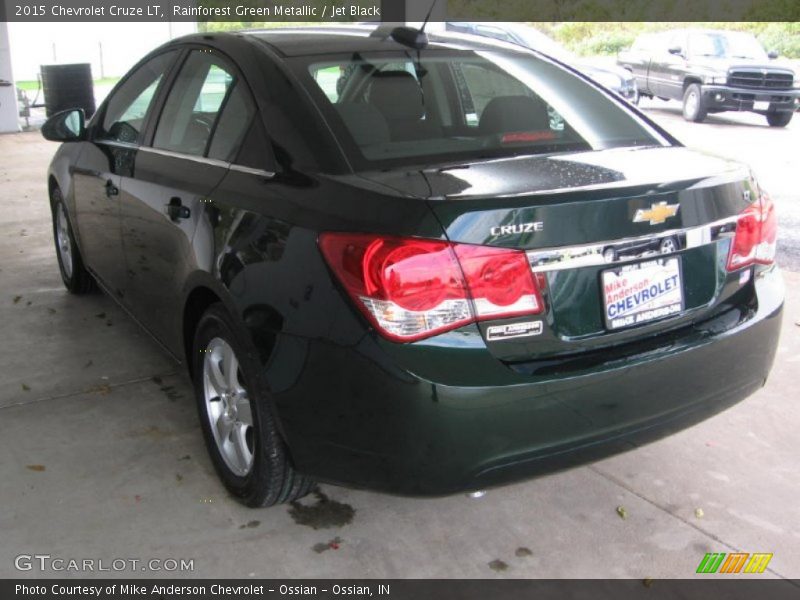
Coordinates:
(599,228)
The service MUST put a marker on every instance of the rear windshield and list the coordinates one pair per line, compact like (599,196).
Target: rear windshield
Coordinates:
(404,108)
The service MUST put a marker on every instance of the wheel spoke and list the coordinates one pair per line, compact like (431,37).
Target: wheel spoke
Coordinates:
(224,429)
(214,373)
(214,408)
(242,454)
(230,366)
(244,412)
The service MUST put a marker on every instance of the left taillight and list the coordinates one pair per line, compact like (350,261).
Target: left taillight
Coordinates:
(413,288)
(755,239)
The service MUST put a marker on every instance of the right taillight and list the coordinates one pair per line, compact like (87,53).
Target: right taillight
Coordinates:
(756,234)
(412,288)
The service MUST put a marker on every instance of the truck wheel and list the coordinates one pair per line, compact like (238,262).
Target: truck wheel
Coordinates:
(237,416)
(693,106)
(779,119)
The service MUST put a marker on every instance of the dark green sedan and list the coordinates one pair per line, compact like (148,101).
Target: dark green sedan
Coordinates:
(415,264)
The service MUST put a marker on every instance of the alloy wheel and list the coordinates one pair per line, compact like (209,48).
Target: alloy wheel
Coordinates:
(228,407)
(63,240)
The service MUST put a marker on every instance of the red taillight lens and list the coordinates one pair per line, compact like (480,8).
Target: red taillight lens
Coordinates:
(411,288)
(499,280)
(756,234)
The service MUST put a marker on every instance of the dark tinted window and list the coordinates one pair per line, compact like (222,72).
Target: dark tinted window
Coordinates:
(255,151)
(127,108)
(395,108)
(193,104)
(236,117)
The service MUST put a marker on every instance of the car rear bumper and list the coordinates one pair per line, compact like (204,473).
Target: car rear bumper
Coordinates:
(717,97)
(360,416)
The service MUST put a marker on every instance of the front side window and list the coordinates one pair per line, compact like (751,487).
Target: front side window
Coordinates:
(731,44)
(127,107)
(193,104)
(647,42)
(398,108)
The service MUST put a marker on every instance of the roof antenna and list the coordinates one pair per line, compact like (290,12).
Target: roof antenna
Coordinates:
(427,17)
(413,38)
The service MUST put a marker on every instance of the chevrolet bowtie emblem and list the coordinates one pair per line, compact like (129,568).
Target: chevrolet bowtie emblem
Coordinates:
(657,213)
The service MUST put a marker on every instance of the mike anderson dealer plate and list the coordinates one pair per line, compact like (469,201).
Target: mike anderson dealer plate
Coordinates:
(642,292)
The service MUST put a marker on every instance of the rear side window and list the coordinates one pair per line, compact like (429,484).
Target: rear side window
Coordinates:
(128,106)
(193,104)
(233,123)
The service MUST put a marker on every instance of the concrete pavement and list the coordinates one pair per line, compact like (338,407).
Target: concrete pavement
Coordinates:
(102,458)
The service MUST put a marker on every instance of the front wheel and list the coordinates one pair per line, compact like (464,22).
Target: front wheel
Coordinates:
(779,119)
(70,263)
(693,105)
(237,416)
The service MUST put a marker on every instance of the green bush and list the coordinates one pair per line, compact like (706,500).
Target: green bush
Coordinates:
(611,37)
(606,43)
(572,34)
(784,38)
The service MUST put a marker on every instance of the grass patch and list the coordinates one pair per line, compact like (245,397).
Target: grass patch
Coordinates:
(32,86)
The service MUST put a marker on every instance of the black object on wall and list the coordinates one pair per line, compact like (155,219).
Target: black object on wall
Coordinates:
(68,86)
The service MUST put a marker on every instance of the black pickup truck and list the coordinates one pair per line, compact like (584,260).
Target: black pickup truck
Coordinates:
(713,71)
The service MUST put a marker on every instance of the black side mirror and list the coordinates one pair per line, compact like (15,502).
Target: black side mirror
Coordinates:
(65,126)
(772,54)
(676,50)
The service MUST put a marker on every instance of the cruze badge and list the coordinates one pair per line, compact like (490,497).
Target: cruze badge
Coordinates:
(657,213)
(517,228)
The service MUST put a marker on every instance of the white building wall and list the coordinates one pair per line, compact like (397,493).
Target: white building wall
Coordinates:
(111,48)
(8,96)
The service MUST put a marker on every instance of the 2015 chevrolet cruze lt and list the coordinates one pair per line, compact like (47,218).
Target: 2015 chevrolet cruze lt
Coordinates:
(419,266)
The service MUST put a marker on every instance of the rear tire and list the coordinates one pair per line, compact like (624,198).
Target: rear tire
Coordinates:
(70,263)
(694,109)
(779,119)
(238,417)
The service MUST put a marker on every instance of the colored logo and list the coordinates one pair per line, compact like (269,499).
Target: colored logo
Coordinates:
(657,213)
(735,562)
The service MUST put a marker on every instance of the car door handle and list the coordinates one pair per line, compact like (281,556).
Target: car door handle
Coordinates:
(111,189)
(176,210)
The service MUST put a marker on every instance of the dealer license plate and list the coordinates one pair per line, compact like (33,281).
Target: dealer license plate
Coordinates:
(759,105)
(642,292)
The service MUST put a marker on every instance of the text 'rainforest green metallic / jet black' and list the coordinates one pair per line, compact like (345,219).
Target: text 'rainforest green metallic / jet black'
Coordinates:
(420,270)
